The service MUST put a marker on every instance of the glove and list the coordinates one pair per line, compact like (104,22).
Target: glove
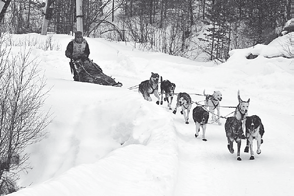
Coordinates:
(68,55)
(84,57)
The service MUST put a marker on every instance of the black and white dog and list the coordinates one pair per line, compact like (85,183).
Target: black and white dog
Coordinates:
(254,130)
(185,102)
(200,117)
(149,87)
(168,89)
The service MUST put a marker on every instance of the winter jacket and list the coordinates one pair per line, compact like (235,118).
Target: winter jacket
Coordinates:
(76,50)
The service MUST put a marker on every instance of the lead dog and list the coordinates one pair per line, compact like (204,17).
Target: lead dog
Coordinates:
(149,87)
(200,117)
(254,130)
(241,111)
(213,103)
(185,102)
(168,89)
(234,132)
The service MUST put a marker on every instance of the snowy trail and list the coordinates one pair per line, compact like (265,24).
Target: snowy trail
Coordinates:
(207,168)
(160,155)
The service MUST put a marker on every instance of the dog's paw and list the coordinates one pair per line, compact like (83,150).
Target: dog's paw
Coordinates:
(174,111)
(196,135)
(231,150)
(239,159)
(182,112)
(161,102)
(246,149)
(258,151)
(251,158)
(187,122)
(165,99)
(204,139)
(157,102)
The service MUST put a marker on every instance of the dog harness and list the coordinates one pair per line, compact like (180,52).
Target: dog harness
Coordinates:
(210,97)
(151,86)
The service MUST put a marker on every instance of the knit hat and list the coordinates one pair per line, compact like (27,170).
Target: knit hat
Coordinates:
(78,34)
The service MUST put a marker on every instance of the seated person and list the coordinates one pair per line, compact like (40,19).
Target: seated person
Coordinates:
(77,49)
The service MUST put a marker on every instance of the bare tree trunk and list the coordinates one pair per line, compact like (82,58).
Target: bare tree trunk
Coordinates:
(29,15)
(150,11)
(4,8)
(112,12)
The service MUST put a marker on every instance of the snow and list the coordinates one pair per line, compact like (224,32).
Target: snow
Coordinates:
(109,141)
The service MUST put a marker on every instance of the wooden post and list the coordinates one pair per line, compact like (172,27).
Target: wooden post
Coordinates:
(79,14)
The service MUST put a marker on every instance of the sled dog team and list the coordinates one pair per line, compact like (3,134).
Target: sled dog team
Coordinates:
(235,126)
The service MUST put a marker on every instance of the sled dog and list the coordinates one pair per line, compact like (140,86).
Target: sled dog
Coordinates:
(185,102)
(167,89)
(213,103)
(149,87)
(234,132)
(241,111)
(254,130)
(200,117)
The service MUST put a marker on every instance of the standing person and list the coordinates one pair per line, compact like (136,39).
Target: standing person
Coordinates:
(77,49)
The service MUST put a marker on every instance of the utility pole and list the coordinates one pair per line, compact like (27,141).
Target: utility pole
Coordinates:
(79,15)
(48,15)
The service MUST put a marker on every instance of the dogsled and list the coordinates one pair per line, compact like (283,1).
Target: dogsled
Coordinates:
(90,72)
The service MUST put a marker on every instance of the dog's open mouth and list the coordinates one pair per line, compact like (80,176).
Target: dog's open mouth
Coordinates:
(243,111)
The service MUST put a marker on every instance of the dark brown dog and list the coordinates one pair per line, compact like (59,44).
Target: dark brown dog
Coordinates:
(149,87)
(234,132)
(200,117)
(167,89)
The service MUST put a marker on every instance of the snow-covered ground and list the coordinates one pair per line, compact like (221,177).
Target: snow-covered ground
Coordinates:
(82,154)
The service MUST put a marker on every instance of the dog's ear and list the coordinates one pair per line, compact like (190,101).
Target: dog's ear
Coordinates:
(204,92)
(239,98)
(248,100)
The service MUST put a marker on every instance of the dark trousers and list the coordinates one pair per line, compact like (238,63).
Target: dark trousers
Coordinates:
(74,71)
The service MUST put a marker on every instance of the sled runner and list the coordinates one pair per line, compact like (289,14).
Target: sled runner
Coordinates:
(88,71)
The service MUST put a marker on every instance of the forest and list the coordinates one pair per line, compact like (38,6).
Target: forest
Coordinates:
(184,28)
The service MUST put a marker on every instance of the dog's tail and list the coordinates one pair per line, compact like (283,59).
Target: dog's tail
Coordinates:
(140,88)
(159,86)
(206,96)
